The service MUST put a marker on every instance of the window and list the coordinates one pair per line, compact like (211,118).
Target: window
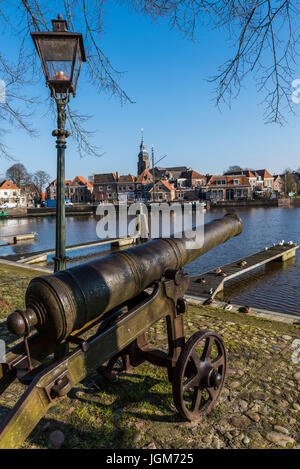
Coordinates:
(109,188)
(220,182)
(236,182)
(100,188)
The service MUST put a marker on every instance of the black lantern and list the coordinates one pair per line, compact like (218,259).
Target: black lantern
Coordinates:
(61,53)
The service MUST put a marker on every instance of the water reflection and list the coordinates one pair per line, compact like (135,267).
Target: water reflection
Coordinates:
(275,287)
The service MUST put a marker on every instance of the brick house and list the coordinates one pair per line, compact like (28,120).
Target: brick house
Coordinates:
(264,180)
(226,188)
(80,190)
(105,187)
(252,178)
(144,183)
(127,186)
(51,190)
(163,192)
(260,180)
(193,178)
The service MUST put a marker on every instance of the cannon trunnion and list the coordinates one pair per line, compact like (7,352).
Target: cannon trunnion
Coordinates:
(123,294)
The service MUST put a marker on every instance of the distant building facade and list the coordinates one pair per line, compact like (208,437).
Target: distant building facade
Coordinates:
(9,192)
(78,191)
(105,187)
(221,188)
(260,180)
(162,191)
(278,183)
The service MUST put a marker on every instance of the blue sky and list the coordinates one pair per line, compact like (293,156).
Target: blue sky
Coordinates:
(166,77)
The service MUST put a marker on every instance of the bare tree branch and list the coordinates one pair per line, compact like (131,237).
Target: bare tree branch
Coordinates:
(263,33)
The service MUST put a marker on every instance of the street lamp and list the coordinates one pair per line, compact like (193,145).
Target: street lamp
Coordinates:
(61,53)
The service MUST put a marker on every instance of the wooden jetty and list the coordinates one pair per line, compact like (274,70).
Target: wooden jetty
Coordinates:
(41,256)
(14,239)
(24,237)
(208,284)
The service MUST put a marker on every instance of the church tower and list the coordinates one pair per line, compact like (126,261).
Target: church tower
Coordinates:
(143,158)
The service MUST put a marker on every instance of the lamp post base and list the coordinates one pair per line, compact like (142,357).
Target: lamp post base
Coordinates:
(59,263)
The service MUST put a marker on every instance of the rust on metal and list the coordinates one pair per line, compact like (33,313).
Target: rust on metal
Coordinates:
(126,293)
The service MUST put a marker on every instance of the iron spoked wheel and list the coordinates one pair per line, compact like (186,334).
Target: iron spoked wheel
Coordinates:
(199,374)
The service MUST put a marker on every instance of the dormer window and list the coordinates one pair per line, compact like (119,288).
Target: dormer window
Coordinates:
(236,181)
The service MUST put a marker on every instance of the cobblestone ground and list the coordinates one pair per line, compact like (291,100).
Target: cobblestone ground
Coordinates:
(259,406)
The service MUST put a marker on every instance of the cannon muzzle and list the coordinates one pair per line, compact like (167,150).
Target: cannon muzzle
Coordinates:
(66,301)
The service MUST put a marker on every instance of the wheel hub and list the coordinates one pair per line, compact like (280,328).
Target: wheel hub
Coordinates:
(214,379)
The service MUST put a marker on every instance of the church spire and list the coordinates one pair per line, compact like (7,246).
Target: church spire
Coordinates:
(142,145)
(143,158)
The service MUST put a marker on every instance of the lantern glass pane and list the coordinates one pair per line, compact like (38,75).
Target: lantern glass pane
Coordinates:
(77,65)
(58,55)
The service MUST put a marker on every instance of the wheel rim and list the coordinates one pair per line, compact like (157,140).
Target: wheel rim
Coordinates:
(199,374)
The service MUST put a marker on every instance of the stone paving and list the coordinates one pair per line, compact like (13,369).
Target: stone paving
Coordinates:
(259,406)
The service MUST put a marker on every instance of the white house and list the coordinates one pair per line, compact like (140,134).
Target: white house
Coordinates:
(9,192)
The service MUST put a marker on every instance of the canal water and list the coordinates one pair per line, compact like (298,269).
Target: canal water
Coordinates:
(274,287)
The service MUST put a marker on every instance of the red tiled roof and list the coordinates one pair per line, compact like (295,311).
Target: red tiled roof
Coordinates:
(127,178)
(167,185)
(142,177)
(242,172)
(196,175)
(79,179)
(105,178)
(264,173)
(244,181)
(6,184)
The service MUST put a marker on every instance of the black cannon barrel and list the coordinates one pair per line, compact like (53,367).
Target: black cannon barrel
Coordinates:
(65,301)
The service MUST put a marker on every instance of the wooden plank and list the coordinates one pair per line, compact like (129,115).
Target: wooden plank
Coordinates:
(209,283)
(41,256)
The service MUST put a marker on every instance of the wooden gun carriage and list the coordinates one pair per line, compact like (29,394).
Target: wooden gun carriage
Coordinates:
(124,294)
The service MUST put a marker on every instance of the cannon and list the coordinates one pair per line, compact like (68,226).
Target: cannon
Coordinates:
(96,316)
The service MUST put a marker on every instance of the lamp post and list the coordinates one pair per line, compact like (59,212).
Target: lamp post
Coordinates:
(61,53)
